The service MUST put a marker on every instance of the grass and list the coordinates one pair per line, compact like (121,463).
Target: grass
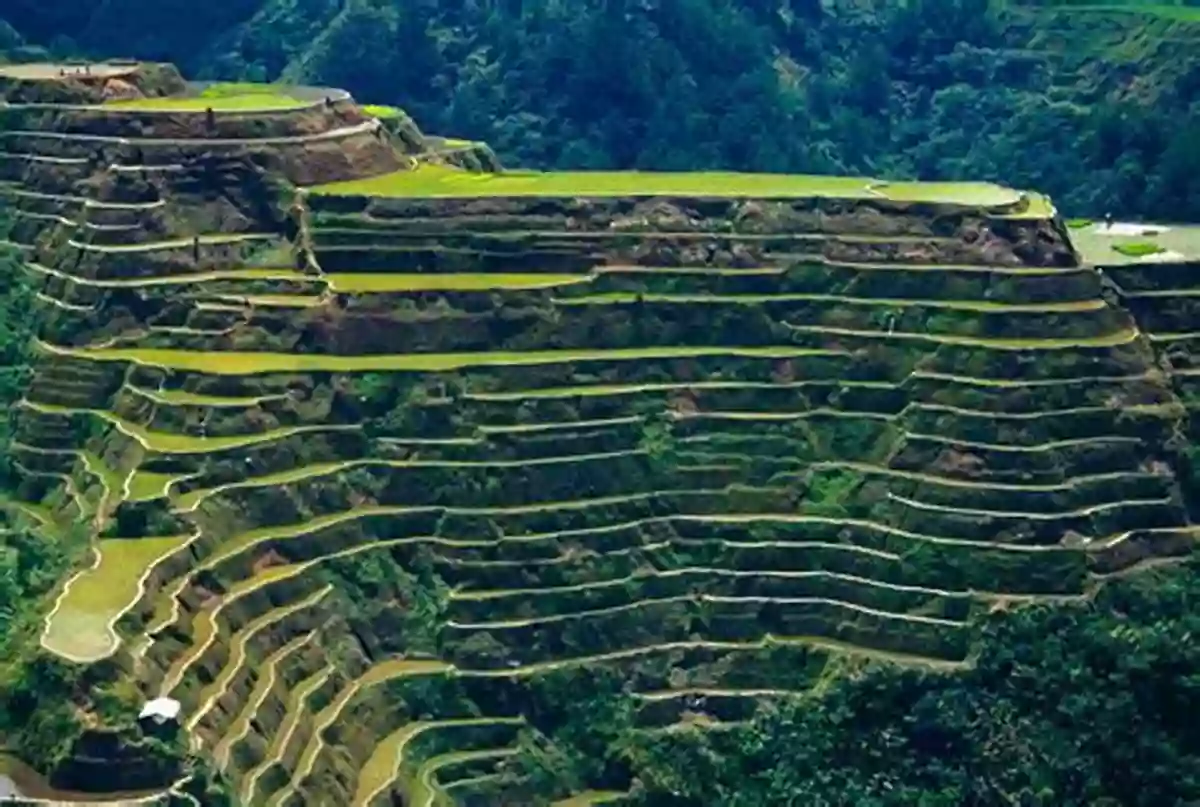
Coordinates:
(80,627)
(145,486)
(382,111)
(435,181)
(984,194)
(368,283)
(230,97)
(1079,224)
(240,363)
(1137,249)
(1174,243)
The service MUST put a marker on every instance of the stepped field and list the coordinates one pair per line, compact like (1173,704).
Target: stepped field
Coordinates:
(381,448)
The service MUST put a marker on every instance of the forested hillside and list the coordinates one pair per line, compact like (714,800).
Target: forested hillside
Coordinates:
(1098,108)
(403,479)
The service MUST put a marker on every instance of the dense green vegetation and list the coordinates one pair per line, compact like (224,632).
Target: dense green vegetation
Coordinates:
(16,329)
(1065,706)
(1039,95)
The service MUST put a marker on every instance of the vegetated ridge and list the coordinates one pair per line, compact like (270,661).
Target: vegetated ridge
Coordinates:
(409,475)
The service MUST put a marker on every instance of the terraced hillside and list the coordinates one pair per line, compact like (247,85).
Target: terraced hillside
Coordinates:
(382,451)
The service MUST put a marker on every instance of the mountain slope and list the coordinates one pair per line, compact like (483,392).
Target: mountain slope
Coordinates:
(1094,105)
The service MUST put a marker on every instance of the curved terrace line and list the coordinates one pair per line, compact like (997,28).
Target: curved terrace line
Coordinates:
(999,269)
(1149,375)
(378,674)
(208,240)
(283,737)
(262,688)
(184,398)
(1052,445)
(598,390)
(589,798)
(1082,512)
(383,766)
(366,127)
(1068,484)
(237,656)
(247,274)
(172,443)
(1115,339)
(687,571)
(46,298)
(425,786)
(977,306)
(243,587)
(1039,414)
(510,624)
(205,627)
(817,412)
(793,518)
(714,692)
(189,502)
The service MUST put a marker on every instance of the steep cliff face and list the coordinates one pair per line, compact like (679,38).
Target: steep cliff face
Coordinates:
(381,457)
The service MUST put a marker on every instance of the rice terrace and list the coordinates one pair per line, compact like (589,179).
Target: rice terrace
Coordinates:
(375,454)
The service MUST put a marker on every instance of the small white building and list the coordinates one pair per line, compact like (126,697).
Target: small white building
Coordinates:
(161,710)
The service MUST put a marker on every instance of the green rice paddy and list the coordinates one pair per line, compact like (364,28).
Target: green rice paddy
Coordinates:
(1126,244)
(80,627)
(436,181)
(146,486)
(984,194)
(233,97)
(240,363)
(367,283)
(382,111)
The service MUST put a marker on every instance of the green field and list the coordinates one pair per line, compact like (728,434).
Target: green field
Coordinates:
(237,363)
(220,98)
(1172,243)
(367,283)
(436,181)
(80,627)
(382,111)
